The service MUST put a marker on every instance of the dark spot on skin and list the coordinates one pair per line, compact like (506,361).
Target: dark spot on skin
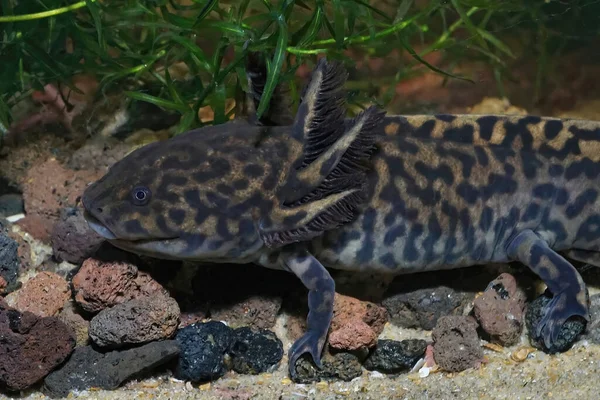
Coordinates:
(425,129)
(445,117)
(434,232)
(552,129)
(161,224)
(177,216)
(270,180)
(246,227)
(547,191)
(509,169)
(222,229)
(481,155)
(588,197)
(240,184)
(365,254)
(388,260)
(463,134)
(556,170)
(486,126)
(253,170)
(392,234)
(443,172)
(531,212)
(485,221)
(134,226)
(585,134)
(410,249)
(571,147)
(530,164)
(225,189)
(467,161)
(585,167)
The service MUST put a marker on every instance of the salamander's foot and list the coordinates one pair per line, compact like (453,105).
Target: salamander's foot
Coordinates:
(312,343)
(563,318)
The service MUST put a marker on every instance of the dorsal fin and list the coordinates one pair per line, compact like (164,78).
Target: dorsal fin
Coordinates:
(326,184)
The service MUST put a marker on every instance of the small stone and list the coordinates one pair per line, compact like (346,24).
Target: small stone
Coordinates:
(11,204)
(72,238)
(456,344)
(339,366)
(256,311)
(30,347)
(569,332)
(99,285)
(355,324)
(88,368)
(202,351)
(43,295)
(254,351)
(135,321)
(38,226)
(76,323)
(421,308)
(9,263)
(593,329)
(500,310)
(391,356)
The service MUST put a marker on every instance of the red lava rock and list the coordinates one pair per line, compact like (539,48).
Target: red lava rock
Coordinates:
(72,238)
(99,285)
(500,310)
(456,344)
(135,321)
(191,317)
(48,187)
(257,311)
(43,295)
(355,324)
(38,226)
(31,347)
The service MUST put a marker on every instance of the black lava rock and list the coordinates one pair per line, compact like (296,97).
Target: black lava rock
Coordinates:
(11,204)
(9,262)
(569,332)
(203,348)
(421,308)
(88,368)
(391,356)
(254,351)
(340,366)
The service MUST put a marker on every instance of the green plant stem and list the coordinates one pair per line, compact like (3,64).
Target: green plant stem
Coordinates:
(44,14)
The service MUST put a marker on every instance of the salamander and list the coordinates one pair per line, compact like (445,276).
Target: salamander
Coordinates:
(386,193)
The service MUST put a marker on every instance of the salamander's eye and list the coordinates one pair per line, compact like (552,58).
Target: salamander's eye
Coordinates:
(140,195)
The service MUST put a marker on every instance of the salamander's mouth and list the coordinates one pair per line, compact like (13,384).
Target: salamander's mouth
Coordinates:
(98,226)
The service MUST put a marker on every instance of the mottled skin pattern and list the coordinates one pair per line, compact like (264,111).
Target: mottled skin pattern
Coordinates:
(390,194)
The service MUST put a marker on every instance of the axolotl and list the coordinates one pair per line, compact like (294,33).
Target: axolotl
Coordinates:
(385,193)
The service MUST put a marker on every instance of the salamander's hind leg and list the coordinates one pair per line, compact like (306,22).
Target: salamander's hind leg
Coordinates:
(320,305)
(570,295)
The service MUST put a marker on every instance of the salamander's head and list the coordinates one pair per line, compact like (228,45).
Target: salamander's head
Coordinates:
(192,197)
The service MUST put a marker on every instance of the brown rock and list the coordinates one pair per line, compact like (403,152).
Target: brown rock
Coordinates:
(456,344)
(31,347)
(76,323)
(38,226)
(257,311)
(500,310)
(355,324)
(43,295)
(99,285)
(136,321)
(48,187)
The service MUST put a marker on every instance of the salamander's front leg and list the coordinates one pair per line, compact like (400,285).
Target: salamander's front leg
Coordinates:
(320,305)
(570,295)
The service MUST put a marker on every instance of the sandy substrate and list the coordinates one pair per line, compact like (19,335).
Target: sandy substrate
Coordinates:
(571,375)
